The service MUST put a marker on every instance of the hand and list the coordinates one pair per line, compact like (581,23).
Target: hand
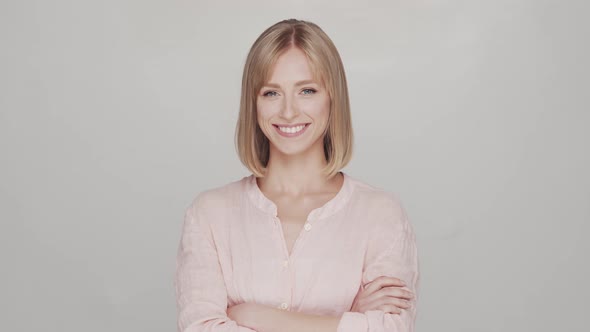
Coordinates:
(383,293)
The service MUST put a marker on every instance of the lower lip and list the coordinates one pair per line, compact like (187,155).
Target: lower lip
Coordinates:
(299,133)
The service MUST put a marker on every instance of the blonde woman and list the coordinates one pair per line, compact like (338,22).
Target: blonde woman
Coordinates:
(298,245)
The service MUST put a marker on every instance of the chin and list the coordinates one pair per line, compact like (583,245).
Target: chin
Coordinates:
(300,148)
(292,151)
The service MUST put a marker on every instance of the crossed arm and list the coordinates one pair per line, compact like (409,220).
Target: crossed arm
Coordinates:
(269,319)
(205,308)
(384,293)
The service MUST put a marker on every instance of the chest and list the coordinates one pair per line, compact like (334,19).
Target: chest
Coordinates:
(293,215)
(291,226)
(320,272)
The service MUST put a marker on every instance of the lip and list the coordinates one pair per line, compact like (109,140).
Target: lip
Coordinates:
(292,134)
(292,125)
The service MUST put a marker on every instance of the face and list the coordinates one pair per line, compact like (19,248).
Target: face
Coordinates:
(293,108)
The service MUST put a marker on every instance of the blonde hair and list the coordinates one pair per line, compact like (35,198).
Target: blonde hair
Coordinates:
(251,143)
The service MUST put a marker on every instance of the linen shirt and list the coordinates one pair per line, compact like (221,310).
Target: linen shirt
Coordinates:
(232,250)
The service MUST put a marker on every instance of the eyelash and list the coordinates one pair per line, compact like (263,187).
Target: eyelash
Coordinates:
(266,94)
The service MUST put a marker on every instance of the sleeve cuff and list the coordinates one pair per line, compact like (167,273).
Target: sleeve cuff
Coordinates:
(352,322)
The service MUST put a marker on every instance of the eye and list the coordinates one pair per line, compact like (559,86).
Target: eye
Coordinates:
(270,94)
(309,91)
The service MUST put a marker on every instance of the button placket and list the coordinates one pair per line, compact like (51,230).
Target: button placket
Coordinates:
(285,299)
(287,284)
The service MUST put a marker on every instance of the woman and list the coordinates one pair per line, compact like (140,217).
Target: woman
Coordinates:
(298,245)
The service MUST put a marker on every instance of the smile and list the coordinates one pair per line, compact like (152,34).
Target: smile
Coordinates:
(291,131)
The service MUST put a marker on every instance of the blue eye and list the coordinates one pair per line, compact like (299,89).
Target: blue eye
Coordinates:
(311,91)
(270,94)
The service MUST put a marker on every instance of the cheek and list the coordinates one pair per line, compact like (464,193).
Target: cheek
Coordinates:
(263,111)
(318,108)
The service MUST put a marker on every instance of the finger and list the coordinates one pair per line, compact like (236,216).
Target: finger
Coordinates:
(392,291)
(396,292)
(381,282)
(379,299)
(389,300)
(400,303)
(387,292)
(390,309)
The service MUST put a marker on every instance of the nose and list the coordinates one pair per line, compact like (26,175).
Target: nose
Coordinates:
(289,110)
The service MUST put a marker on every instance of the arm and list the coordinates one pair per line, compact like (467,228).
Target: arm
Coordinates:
(269,319)
(392,252)
(201,295)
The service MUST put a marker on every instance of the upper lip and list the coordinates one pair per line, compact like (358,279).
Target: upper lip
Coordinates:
(292,125)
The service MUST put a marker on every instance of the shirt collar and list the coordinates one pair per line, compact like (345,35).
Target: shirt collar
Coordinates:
(332,206)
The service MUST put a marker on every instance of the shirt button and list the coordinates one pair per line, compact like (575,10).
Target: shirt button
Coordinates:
(283,306)
(307,226)
(285,263)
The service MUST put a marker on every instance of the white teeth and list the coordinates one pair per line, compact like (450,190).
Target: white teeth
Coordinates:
(291,130)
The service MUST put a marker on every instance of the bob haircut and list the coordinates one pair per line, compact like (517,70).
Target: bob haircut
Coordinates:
(251,143)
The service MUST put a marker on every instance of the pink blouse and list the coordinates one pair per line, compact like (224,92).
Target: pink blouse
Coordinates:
(232,250)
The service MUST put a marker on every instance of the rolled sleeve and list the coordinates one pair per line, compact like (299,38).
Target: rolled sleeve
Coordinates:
(391,252)
(201,294)
(353,322)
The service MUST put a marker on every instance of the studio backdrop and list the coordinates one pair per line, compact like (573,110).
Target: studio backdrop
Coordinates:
(114,115)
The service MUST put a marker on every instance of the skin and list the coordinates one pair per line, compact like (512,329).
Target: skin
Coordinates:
(294,182)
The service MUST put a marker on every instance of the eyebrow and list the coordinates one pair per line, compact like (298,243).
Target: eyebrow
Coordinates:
(274,85)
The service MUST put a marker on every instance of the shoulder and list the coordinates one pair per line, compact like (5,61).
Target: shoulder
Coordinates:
(384,205)
(376,197)
(219,197)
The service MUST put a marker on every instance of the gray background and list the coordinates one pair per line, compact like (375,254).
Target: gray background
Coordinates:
(115,114)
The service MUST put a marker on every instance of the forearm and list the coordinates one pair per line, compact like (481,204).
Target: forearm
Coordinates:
(268,319)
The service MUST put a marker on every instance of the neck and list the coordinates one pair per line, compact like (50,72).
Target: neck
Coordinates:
(298,174)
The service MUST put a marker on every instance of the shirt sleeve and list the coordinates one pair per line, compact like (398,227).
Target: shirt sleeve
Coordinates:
(391,252)
(201,294)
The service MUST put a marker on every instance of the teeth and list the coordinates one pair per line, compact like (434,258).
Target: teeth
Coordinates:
(291,130)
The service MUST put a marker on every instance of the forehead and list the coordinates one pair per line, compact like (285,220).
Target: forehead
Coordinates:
(291,66)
